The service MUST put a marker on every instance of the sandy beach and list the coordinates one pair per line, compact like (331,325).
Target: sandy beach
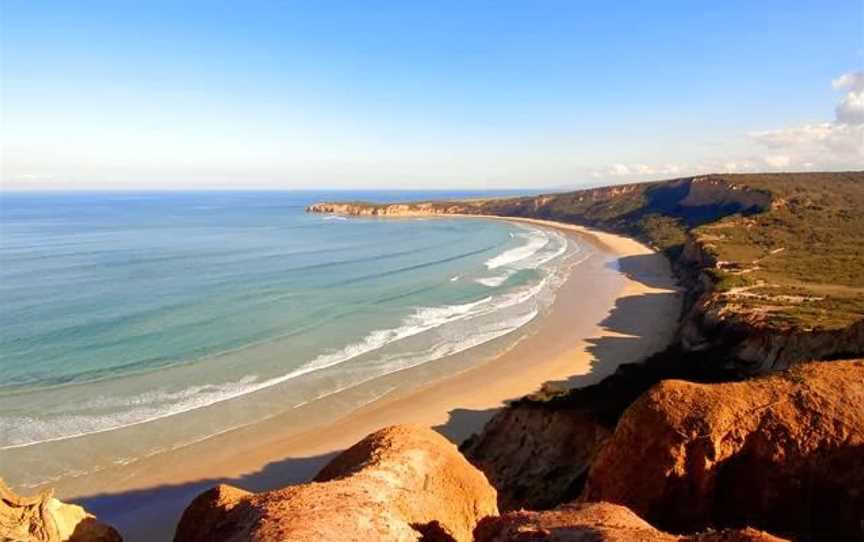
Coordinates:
(617,306)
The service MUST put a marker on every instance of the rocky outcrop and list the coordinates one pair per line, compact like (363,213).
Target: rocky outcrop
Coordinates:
(719,331)
(394,209)
(783,452)
(537,457)
(711,191)
(43,518)
(594,522)
(402,483)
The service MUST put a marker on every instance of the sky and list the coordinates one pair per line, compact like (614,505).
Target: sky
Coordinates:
(423,95)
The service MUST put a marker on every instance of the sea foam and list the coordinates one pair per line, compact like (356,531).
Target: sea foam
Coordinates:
(21,431)
(536,240)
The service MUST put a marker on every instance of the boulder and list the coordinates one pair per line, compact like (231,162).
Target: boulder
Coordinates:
(783,452)
(401,483)
(594,522)
(43,518)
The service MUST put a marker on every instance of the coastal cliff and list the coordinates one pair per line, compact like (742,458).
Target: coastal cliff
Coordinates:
(750,418)
(783,453)
(772,269)
(747,248)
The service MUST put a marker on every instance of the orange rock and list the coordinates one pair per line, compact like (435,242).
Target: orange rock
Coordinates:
(594,522)
(536,456)
(783,452)
(42,518)
(396,484)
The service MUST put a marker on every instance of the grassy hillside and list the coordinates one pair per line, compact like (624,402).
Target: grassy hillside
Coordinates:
(789,248)
(801,262)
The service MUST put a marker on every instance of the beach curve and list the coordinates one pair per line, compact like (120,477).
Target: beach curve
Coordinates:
(617,307)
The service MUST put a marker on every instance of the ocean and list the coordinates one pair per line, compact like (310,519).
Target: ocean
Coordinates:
(137,323)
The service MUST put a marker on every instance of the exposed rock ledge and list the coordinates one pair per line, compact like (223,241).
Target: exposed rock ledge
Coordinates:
(783,452)
(398,484)
(594,522)
(43,518)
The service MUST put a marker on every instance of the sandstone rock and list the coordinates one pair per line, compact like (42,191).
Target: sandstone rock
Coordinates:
(536,456)
(43,518)
(783,452)
(594,522)
(397,484)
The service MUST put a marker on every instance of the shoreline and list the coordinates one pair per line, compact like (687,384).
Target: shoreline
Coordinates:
(616,307)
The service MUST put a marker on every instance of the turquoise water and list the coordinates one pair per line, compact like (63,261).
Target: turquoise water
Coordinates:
(135,323)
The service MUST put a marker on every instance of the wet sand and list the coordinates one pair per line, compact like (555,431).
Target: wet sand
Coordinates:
(617,306)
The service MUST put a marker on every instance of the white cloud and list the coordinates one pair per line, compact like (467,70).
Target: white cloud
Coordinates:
(837,140)
(619,170)
(826,145)
(778,161)
(637,170)
(854,81)
(850,110)
(838,144)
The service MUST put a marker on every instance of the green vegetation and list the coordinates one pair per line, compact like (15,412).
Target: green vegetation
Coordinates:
(802,261)
(789,247)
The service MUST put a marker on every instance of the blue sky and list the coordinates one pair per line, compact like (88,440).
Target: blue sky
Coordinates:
(436,94)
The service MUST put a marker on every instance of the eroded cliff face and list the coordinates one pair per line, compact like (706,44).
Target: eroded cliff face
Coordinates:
(708,191)
(783,452)
(394,209)
(537,457)
(398,484)
(722,325)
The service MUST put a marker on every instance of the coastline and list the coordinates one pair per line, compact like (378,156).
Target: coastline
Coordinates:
(602,316)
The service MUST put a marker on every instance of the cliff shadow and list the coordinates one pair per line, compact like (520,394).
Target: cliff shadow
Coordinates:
(462,423)
(635,328)
(650,270)
(141,515)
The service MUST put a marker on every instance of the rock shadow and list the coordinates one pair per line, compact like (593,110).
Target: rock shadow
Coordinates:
(624,340)
(140,515)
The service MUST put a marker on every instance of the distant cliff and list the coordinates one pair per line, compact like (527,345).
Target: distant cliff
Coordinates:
(393,209)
